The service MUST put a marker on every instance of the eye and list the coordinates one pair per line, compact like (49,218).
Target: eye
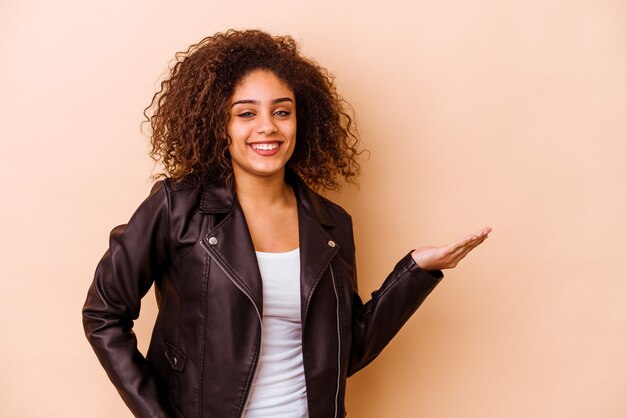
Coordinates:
(282,113)
(246,115)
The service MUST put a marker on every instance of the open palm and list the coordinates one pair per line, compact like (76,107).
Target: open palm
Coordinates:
(448,256)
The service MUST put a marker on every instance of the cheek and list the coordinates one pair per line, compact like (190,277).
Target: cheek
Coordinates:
(291,129)
(236,131)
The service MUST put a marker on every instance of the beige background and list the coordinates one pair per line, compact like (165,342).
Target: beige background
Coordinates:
(509,113)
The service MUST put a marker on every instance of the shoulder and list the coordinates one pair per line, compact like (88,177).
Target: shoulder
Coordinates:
(174,185)
(168,188)
(181,196)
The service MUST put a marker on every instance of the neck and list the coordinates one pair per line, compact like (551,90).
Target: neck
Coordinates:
(260,190)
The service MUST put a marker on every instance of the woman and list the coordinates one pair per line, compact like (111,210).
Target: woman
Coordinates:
(254,272)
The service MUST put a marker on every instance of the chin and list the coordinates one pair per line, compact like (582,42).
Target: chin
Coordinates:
(261,170)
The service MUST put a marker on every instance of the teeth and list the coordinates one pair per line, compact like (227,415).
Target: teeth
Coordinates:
(265,147)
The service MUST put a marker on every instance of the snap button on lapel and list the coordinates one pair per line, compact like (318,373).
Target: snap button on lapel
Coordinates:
(212,240)
(332,244)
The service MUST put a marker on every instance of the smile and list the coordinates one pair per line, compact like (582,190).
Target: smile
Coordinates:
(266,147)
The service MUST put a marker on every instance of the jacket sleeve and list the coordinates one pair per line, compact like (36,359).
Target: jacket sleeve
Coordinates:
(134,260)
(376,322)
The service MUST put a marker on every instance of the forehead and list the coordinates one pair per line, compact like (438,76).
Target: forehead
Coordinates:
(261,84)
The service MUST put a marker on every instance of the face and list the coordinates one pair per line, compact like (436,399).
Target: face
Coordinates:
(262,125)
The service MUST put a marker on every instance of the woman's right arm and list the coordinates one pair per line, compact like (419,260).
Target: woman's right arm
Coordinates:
(137,256)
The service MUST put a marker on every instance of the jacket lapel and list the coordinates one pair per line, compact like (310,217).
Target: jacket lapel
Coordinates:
(228,241)
(317,246)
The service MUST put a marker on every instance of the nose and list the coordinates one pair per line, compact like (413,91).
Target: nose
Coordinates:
(267,125)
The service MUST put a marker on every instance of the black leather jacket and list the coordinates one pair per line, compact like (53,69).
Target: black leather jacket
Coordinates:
(191,240)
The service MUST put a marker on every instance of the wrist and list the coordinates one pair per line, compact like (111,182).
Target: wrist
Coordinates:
(415,256)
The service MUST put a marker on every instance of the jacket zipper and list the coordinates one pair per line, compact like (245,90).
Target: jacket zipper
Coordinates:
(256,366)
(332,274)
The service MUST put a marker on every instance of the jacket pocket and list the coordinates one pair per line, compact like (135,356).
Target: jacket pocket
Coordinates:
(175,357)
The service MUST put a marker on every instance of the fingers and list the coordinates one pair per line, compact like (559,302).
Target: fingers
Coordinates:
(461,243)
(486,230)
(470,240)
(461,252)
(483,232)
(452,253)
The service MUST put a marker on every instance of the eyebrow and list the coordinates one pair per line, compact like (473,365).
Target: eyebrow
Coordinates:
(256,102)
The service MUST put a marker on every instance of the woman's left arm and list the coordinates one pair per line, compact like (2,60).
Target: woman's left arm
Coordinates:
(376,322)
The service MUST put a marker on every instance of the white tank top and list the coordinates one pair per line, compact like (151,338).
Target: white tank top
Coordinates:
(279,388)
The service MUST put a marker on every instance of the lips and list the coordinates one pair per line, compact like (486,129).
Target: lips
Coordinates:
(266,149)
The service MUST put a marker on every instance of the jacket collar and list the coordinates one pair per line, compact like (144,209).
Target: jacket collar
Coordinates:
(218,196)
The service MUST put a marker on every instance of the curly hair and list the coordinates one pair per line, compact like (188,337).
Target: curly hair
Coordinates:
(189,114)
